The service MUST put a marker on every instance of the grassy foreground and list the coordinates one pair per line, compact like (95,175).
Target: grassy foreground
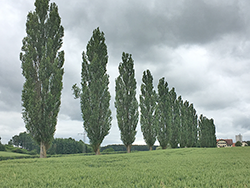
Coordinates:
(189,167)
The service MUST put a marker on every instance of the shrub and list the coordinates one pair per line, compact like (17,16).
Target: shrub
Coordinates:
(248,143)
(33,152)
(238,143)
(19,150)
(108,150)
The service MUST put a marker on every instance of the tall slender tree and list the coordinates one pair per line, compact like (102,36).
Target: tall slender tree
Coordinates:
(194,126)
(207,136)
(94,94)
(148,107)
(174,119)
(125,101)
(163,114)
(42,65)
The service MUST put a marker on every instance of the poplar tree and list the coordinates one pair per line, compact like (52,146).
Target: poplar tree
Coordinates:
(163,114)
(194,126)
(42,66)
(125,101)
(148,107)
(207,136)
(94,94)
(174,119)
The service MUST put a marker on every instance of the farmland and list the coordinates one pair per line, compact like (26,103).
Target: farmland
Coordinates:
(10,154)
(187,167)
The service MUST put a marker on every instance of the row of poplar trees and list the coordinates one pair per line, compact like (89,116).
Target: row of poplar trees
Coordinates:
(163,116)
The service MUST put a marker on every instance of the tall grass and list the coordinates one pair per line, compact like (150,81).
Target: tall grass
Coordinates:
(187,167)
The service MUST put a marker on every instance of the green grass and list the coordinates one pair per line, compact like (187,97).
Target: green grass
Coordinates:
(187,167)
(10,154)
(6,155)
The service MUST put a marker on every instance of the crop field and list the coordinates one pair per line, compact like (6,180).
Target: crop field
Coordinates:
(187,167)
(10,154)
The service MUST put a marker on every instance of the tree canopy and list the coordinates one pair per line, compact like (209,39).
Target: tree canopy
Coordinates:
(94,94)
(148,104)
(42,65)
(125,101)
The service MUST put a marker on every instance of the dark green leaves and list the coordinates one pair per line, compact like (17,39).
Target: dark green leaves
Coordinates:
(148,99)
(125,100)
(42,68)
(95,96)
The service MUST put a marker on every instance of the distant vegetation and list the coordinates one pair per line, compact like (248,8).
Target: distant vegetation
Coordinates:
(184,167)
(24,144)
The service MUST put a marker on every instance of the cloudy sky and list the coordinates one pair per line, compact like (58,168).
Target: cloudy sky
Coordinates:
(201,47)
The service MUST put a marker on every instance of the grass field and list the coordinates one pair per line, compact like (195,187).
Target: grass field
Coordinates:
(187,167)
(10,154)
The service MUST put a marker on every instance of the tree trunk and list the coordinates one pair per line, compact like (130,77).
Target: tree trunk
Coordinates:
(150,148)
(43,150)
(129,148)
(97,152)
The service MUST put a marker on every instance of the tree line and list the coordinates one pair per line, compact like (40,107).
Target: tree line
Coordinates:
(163,116)
(24,143)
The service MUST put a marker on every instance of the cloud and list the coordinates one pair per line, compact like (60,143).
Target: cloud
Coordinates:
(200,47)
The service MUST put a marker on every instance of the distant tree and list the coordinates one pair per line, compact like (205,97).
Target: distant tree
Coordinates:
(10,142)
(125,101)
(25,141)
(148,104)
(238,143)
(174,113)
(42,68)
(191,126)
(2,147)
(248,143)
(207,136)
(163,114)
(185,121)
(94,94)
(180,121)
(68,146)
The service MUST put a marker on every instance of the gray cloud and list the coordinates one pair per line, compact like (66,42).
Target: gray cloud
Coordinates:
(200,47)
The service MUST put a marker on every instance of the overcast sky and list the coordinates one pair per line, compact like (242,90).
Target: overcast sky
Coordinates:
(201,47)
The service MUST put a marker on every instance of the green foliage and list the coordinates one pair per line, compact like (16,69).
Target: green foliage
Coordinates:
(94,94)
(238,143)
(184,167)
(68,146)
(25,141)
(42,68)
(163,114)
(108,150)
(125,100)
(159,148)
(207,136)
(248,143)
(148,100)
(2,147)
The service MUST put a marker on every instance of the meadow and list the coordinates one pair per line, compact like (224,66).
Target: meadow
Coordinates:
(10,154)
(187,167)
